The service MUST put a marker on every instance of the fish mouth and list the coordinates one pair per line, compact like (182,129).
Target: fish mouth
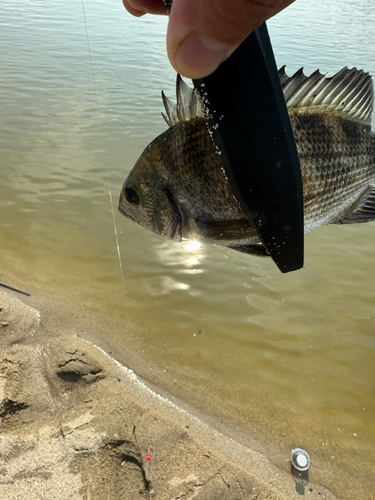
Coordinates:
(122,212)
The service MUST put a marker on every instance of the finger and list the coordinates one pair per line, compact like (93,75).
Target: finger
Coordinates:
(202,33)
(140,7)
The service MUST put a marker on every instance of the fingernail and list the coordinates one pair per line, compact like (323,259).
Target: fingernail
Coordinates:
(133,10)
(198,56)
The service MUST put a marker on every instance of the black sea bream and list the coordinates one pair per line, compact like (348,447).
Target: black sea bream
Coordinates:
(178,190)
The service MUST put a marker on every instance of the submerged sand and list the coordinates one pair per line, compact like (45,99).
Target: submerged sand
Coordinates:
(76,424)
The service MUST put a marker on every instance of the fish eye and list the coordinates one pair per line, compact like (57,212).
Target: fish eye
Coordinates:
(131,195)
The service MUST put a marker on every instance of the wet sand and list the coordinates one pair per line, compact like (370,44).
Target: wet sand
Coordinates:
(77,424)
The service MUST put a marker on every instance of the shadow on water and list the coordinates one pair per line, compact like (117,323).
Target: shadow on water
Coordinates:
(301,479)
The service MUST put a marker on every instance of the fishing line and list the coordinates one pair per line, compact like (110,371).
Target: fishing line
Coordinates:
(15,289)
(105,162)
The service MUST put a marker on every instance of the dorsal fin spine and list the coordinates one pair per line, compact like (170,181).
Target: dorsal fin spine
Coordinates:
(313,91)
(349,93)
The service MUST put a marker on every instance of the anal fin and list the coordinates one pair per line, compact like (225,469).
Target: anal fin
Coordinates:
(363,210)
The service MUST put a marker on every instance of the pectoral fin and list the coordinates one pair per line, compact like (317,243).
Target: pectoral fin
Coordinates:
(225,230)
(256,249)
(363,210)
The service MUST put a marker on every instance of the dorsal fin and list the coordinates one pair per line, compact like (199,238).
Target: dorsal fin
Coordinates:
(172,116)
(187,106)
(349,92)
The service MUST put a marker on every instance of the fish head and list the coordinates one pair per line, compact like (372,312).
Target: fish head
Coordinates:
(145,197)
(177,188)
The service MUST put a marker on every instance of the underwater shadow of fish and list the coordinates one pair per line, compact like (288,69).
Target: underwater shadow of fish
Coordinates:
(177,188)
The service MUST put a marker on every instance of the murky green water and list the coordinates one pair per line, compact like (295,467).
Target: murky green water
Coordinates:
(286,359)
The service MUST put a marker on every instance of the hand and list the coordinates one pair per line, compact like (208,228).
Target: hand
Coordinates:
(203,33)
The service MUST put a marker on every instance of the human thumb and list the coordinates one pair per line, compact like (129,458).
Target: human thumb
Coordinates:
(202,33)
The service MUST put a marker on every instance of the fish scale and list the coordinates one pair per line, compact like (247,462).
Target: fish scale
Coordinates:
(337,165)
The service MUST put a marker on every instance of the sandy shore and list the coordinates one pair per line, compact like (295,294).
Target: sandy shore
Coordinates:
(76,424)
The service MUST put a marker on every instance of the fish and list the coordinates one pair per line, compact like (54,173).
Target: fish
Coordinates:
(178,189)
